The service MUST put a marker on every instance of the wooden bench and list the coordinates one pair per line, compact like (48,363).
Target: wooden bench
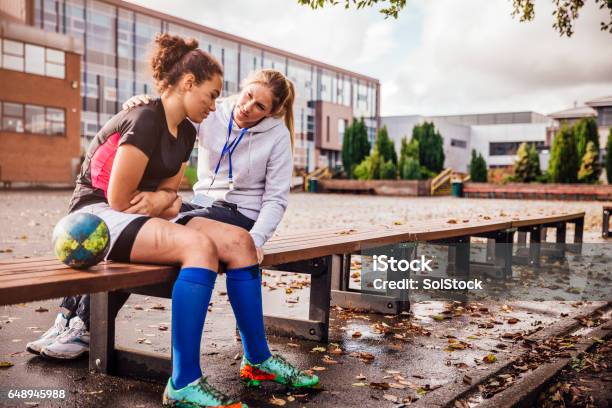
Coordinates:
(323,254)
(605,224)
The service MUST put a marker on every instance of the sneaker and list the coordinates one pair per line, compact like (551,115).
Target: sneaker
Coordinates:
(60,325)
(198,394)
(72,343)
(276,369)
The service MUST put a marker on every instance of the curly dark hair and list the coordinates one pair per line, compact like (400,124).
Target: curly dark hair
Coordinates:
(174,56)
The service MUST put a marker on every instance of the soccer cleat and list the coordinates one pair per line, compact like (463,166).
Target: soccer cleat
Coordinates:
(60,325)
(72,343)
(197,394)
(276,369)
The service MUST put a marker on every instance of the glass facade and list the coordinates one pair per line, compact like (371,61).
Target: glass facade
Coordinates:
(510,148)
(117,41)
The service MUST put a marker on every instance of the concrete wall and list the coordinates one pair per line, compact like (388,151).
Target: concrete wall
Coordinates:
(481,136)
(328,114)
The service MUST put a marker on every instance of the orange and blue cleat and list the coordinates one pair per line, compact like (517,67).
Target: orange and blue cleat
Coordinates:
(276,369)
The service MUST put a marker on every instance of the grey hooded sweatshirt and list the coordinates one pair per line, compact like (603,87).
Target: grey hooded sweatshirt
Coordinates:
(262,167)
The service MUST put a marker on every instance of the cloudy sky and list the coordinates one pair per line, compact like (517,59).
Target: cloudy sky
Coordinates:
(439,57)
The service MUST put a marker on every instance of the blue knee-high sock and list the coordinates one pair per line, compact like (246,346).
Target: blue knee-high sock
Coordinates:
(190,298)
(244,291)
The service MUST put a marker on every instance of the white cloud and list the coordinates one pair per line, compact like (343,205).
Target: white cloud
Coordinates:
(439,57)
(475,58)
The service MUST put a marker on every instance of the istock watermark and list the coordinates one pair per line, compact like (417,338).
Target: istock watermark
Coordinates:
(382,263)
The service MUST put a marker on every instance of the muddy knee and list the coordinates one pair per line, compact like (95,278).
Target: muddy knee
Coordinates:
(198,247)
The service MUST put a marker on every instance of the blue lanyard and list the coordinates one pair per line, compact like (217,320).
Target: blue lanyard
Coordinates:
(229,148)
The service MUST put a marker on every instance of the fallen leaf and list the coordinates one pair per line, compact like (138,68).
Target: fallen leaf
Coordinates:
(328,360)
(317,368)
(318,350)
(513,320)
(489,358)
(6,364)
(277,401)
(41,309)
(390,397)
(379,386)
(356,334)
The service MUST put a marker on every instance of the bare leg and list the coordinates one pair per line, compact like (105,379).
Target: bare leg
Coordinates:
(235,246)
(162,242)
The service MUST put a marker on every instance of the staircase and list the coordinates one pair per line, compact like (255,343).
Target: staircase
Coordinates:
(441,184)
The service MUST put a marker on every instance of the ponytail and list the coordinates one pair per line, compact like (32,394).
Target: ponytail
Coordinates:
(288,108)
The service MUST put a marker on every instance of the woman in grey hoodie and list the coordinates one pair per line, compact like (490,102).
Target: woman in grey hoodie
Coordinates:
(245,159)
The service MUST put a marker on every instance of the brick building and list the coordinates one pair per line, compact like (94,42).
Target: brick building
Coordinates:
(40,103)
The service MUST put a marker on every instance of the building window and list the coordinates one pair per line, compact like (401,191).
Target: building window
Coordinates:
(12,117)
(341,127)
(458,143)
(56,121)
(34,119)
(19,118)
(33,59)
(55,63)
(12,55)
(510,148)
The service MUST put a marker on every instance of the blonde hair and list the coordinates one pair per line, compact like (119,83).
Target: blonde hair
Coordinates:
(283,94)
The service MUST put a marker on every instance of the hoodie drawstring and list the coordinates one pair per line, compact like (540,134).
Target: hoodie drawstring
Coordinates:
(250,140)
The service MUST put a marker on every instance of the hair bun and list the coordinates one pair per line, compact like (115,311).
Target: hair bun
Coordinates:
(168,51)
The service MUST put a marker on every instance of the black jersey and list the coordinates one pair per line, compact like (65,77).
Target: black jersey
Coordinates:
(144,127)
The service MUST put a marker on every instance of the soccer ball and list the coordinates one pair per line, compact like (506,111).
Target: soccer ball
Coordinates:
(81,240)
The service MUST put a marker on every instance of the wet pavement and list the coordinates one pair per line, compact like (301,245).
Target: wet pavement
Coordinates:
(371,360)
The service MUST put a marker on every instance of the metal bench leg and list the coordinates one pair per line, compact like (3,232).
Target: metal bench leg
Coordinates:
(341,277)
(503,251)
(462,264)
(320,294)
(605,225)
(534,245)
(462,257)
(400,297)
(578,234)
(316,327)
(521,239)
(104,308)
(561,239)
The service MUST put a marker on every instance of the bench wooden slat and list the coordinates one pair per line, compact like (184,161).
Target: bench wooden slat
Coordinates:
(536,220)
(397,235)
(107,277)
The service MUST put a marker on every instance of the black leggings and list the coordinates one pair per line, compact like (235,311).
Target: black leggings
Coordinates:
(221,211)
